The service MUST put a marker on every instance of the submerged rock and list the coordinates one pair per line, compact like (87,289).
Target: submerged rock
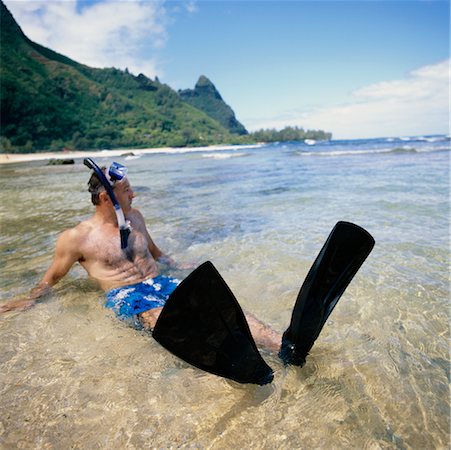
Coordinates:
(60,162)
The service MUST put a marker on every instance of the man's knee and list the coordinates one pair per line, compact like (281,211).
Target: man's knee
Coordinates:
(149,318)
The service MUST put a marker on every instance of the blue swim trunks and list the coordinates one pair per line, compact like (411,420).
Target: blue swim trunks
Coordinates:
(128,301)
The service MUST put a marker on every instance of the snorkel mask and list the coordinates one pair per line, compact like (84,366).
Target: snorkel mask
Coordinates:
(116,173)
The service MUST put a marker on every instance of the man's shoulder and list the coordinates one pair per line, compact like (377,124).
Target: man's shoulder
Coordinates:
(79,231)
(135,214)
(70,240)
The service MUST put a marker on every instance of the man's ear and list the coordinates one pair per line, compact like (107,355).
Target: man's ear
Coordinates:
(104,197)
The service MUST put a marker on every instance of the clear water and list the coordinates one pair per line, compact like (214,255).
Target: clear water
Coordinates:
(71,376)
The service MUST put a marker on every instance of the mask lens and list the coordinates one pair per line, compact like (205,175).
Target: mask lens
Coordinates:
(117,171)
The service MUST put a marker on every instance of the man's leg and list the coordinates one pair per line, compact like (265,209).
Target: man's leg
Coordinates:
(263,334)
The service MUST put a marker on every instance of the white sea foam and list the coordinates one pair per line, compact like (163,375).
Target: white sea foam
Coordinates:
(213,148)
(6,158)
(402,149)
(222,155)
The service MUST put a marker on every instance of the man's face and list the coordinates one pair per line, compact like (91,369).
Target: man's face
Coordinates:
(124,194)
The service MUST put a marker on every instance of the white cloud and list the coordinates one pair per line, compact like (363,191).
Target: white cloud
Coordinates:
(421,83)
(110,33)
(415,105)
(191,7)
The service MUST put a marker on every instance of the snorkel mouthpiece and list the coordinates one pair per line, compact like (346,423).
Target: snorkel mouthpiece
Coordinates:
(116,172)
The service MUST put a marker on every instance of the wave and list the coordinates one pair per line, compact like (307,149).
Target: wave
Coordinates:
(221,155)
(181,150)
(431,139)
(392,150)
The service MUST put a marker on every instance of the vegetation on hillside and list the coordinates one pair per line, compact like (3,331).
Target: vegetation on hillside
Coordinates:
(50,102)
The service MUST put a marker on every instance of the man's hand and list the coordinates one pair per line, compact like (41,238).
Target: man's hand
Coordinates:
(186,266)
(20,304)
(168,261)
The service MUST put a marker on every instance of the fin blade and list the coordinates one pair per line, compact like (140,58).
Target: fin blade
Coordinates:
(345,250)
(203,324)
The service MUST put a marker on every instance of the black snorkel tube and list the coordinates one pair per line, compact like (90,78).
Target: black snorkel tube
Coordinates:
(124,227)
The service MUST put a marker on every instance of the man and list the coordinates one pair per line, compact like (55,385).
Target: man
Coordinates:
(122,257)
(134,288)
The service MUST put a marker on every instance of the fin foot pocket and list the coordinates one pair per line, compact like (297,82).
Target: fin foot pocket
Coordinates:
(288,353)
(345,250)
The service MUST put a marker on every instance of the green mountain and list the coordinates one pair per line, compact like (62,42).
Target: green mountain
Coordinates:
(205,97)
(49,101)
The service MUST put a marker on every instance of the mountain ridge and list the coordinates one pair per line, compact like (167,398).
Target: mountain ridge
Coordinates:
(49,101)
(207,98)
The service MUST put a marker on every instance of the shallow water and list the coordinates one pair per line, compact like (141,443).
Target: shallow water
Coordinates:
(71,376)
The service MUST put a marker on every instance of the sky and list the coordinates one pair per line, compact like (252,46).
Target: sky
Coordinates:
(358,69)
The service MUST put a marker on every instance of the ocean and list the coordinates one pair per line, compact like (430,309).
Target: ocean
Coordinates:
(72,376)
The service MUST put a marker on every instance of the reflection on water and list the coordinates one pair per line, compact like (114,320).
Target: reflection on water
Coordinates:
(72,376)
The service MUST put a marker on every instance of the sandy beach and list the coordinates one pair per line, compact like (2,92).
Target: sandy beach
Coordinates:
(10,158)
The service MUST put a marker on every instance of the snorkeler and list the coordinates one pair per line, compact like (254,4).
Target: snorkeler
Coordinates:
(128,275)
(199,319)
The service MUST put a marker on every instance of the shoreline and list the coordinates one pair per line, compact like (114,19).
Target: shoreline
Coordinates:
(11,158)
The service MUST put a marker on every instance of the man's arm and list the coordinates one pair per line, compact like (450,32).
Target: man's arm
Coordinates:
(157,254)
(166,259)
(66,254)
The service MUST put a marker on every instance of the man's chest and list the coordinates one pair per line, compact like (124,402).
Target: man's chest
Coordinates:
(105,247)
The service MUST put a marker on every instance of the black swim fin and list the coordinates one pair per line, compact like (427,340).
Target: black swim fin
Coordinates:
(203,324)
(344,252)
